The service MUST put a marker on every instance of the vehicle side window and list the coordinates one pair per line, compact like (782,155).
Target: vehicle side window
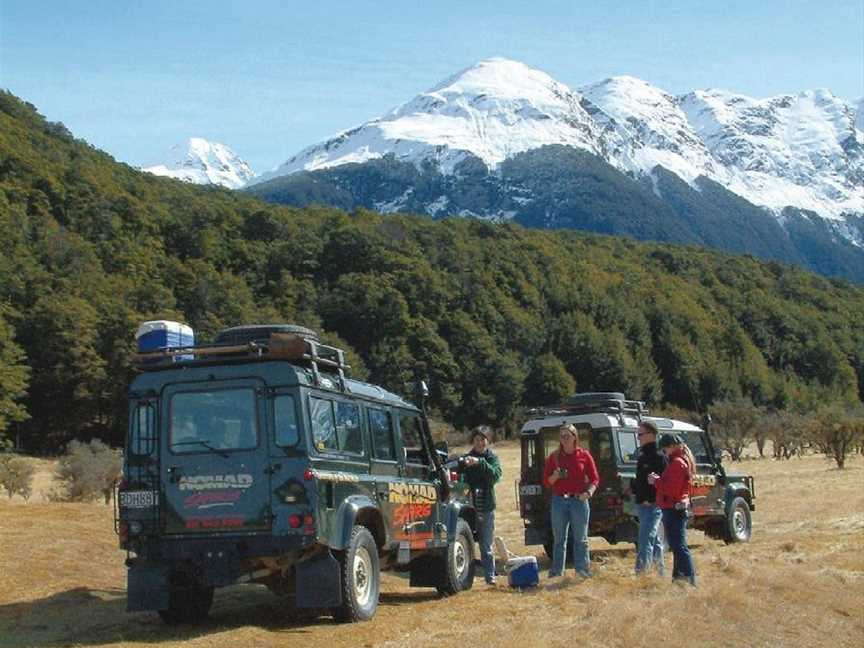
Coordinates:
(142,437)
(381,427)
(323,424)
(349,434)
(285,421)
(336,426)
(412,439)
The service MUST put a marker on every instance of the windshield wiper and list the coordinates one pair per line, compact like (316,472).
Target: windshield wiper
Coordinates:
(218,451)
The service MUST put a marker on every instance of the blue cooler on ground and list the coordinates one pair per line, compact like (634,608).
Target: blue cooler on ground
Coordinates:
(523,572)
(164,334)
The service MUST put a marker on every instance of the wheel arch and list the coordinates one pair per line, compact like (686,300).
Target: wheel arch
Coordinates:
(457,511)
(357,509)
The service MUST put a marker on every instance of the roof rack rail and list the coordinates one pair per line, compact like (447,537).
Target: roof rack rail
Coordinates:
(616,406)
(278,346)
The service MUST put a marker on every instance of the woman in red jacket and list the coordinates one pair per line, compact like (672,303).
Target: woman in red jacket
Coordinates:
(673,497)
(571,474)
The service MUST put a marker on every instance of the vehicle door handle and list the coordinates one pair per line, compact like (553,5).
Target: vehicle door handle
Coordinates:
(272,468)
(173,474)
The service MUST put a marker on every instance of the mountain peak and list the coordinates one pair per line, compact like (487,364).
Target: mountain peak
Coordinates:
(201,161)
(802,150)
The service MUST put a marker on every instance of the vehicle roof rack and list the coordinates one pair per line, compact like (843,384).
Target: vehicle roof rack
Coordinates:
(593,403)
(294,348)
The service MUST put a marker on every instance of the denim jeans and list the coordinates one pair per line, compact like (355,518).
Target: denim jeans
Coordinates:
(570,513)
(650,549)
(675,524)
(486,535)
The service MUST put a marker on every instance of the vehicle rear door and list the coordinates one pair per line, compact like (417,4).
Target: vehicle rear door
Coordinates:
(215,470)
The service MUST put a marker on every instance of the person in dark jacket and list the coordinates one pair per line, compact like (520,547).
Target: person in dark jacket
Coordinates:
(673,497)
(649,549)
(481,470)
(571,474)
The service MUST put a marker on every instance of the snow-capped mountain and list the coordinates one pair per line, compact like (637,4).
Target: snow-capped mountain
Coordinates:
(202,162)
(492,111)
(803,151)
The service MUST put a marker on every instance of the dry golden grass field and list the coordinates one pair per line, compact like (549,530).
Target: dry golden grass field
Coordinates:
(800,582)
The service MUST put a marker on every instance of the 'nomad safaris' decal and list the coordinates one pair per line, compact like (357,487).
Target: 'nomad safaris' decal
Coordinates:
(212,482)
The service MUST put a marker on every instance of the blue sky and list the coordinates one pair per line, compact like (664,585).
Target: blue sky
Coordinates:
(268,78)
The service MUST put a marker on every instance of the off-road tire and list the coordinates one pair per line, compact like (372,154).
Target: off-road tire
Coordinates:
(187,604)
(360,577)
(457,564)
(739,523)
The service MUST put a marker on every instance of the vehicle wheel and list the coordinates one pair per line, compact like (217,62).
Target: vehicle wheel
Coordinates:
(739,525)
(187,604)
(360,576)
(458,564)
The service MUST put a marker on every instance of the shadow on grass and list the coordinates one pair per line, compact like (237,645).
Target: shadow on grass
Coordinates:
(95,617)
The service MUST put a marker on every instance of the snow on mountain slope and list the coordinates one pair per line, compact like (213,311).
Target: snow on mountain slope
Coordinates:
(655,127)
(492,110)
(802,151)
(202,162)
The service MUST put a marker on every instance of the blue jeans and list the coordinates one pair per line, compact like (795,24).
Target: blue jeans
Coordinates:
(570,513)
(675,525)
(650,549)
(486,535)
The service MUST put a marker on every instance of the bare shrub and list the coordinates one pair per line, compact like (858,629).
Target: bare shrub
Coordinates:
(836,432)
(735,425)
(87,471)
(16,476)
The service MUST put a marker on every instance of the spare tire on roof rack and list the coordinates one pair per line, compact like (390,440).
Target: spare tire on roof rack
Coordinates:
(589,398)
(260,334)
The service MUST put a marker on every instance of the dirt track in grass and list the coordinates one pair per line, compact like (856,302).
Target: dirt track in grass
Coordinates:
(800,582)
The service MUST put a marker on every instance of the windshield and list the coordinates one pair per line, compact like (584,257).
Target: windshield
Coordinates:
(220,420)
(696,442)
(628,445)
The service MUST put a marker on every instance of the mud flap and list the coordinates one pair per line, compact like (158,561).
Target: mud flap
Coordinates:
(428,571)
(147,589)
(318,582)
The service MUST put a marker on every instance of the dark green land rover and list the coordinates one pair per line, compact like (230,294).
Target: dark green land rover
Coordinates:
(256,460)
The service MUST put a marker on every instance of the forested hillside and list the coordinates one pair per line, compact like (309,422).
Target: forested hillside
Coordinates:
(496,316)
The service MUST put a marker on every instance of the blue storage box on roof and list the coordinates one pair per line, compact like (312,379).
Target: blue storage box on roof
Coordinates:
(164,334)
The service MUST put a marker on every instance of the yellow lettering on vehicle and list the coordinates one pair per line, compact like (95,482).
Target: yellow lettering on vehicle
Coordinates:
(704,480)
(411,493)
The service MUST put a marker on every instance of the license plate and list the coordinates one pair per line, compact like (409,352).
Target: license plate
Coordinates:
(137,499)
(530,490)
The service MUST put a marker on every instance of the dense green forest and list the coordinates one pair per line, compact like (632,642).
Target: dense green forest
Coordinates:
(496,316)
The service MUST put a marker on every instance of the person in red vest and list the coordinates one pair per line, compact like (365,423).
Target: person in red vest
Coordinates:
(571,474)
(673,497)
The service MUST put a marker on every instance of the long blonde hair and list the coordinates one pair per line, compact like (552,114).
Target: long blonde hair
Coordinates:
(691,462)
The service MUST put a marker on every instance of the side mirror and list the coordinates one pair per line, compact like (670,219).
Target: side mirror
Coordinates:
(422,389)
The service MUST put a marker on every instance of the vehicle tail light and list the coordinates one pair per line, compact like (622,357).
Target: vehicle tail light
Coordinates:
(454,476)
(308,520)
(294,521)
(308,474)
